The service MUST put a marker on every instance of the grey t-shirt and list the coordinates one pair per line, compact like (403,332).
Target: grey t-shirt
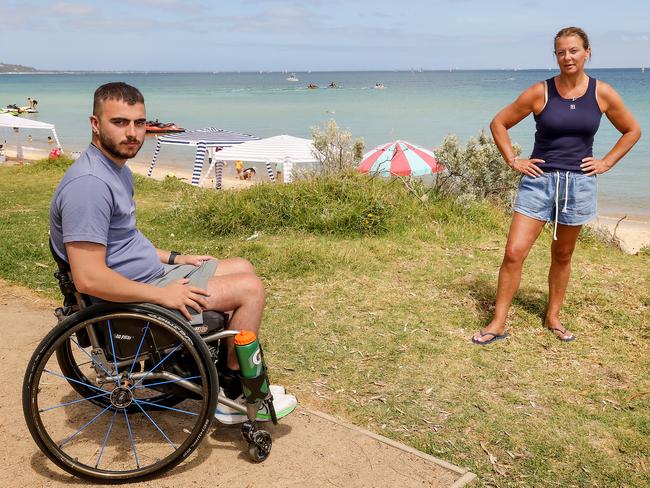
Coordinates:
(94,203)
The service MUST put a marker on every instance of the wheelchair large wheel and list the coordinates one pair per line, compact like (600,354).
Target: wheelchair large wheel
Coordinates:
(118,439)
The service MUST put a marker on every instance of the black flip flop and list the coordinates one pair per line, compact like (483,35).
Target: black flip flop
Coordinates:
(495,337)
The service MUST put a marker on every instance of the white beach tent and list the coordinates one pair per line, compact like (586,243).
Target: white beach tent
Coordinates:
(12,121)
(287,150)
(207,141)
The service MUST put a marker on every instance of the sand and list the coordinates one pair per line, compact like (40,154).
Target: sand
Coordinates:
(309,448)
(632,234)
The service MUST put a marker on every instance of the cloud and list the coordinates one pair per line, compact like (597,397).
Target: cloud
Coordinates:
(72,8)
(159,3)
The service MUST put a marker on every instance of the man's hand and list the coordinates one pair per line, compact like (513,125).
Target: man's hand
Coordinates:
(191,259)
(179,295)
(593,166)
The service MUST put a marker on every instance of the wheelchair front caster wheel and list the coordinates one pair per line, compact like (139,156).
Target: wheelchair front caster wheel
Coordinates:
(260,447)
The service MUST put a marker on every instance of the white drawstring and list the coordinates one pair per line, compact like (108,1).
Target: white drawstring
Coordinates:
(557,198)
(557,201)
(566,191)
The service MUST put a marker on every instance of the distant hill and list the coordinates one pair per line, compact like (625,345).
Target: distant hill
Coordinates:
(15,68)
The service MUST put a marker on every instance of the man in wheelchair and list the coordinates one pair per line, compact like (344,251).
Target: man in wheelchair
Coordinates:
(93,229)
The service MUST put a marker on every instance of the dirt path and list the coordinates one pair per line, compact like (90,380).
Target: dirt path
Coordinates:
(309,449)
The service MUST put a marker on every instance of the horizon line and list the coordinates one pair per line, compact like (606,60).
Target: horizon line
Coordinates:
(255,71)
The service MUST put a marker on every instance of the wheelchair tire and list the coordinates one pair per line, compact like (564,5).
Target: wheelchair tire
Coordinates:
(106,441)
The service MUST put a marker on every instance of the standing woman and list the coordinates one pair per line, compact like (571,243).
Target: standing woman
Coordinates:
(559,178)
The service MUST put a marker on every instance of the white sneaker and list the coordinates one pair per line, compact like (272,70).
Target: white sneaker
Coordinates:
(283,403)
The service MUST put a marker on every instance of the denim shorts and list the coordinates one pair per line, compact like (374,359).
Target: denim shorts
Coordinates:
(567,196)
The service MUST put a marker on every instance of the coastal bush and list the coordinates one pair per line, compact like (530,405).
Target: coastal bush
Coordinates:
(476,171)
(59,164)
(336,149)
(345,204)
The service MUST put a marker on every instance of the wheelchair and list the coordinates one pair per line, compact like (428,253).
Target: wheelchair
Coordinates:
(123,392)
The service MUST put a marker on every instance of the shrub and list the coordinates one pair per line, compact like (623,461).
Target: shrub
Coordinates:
(346,204)
(476,172)
(337,151)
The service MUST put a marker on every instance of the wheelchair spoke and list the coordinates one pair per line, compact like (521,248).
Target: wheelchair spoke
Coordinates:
(110,427)
(155,424)
(164,407)
(92,359)
(90,422)
(158,364)
(128,426)
(137,353)
(149,385)
(67,378)
(110,334)
(72,402)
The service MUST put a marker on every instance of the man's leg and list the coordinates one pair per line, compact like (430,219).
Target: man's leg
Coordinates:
(558,276)
(524,231)
(237,289)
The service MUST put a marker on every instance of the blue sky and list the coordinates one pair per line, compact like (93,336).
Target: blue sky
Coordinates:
(198,35)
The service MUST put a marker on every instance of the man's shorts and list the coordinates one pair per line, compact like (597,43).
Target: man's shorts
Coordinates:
(198,276)
(574,195)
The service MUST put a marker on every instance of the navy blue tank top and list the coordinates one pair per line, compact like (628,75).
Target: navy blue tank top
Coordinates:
(566,128)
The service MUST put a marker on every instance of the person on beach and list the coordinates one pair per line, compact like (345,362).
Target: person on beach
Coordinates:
(93,228)
(558,181)
(278,171)
(247,174)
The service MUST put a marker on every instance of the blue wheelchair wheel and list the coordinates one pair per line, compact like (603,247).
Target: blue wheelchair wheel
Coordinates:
(116,422)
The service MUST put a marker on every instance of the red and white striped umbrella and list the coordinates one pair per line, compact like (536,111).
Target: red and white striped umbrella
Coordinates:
(400,158)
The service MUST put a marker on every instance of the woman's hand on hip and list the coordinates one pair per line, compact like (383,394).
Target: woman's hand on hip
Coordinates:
(528,166)
(593,166)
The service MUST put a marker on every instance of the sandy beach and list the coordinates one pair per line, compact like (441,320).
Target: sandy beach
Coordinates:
(632,234)
(163,168)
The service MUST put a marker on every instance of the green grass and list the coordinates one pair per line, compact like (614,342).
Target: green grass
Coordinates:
(371,321)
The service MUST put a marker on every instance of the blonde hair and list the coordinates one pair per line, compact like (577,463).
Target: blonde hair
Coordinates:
(572,31)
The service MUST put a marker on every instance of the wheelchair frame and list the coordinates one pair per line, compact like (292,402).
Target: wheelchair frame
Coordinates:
(173,366)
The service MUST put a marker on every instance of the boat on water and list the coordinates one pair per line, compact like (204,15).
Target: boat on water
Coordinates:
(155,127)
(292,77)
(379,86)
(14,109)
(312,86)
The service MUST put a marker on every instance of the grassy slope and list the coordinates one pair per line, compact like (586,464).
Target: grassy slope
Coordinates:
(376,329)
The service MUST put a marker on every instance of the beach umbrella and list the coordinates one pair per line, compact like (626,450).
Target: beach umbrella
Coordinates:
(400,158)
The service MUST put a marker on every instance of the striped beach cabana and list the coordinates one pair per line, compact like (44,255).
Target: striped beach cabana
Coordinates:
(285,150)
(207,142)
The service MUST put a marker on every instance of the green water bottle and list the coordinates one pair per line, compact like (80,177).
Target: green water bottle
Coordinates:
(251,365)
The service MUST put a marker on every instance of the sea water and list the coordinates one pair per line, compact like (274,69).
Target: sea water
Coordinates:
(420,107)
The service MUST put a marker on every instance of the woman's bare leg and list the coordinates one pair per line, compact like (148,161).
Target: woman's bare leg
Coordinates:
(558,276)
(523,233)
